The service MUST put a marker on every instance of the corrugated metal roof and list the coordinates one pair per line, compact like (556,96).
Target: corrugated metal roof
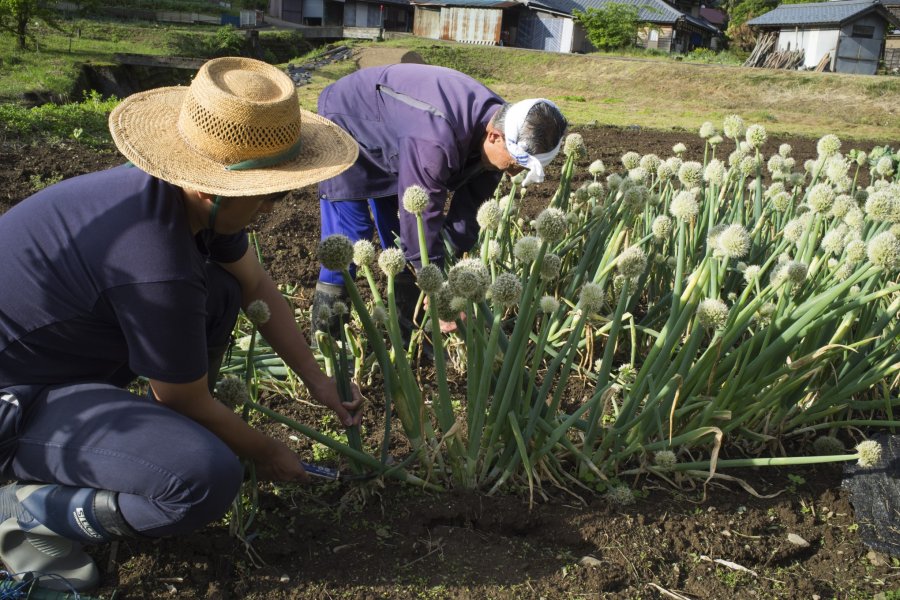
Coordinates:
(651,11)
(818,13)
(466,3)
(654,11)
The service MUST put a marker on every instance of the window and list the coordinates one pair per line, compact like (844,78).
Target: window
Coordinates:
(863,31)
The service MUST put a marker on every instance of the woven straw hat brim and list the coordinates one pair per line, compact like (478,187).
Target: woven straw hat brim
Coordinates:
(144,129)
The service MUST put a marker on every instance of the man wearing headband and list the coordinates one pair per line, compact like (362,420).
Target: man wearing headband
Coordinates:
(435,128)
(141,270)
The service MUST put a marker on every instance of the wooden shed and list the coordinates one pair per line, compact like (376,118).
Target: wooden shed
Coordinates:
(847,34)
(468,21)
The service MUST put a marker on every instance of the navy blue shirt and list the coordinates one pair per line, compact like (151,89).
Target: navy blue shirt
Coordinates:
(416,125)
(102,271)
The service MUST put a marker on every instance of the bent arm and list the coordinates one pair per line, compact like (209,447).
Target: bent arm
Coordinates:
(284,335)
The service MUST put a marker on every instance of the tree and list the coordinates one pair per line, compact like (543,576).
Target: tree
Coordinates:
(16,15)
(611,27)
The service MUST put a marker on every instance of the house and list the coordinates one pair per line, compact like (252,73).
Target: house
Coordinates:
(671,29)
(549,24)
(338,15)
(848,34)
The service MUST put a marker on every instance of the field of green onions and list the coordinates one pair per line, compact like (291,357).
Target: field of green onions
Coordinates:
(670,316)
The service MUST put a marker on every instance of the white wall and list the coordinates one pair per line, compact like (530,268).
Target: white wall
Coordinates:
(815,43)
(567,41)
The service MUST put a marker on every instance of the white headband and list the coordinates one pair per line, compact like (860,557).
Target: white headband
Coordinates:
(512,127)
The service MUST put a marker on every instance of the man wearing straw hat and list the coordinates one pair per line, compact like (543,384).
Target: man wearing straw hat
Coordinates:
(435,128)
(141,270)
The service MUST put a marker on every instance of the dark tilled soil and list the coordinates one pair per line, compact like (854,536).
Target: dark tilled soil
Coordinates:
(384,540)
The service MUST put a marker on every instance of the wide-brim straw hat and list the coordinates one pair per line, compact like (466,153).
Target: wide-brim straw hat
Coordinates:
(237,130)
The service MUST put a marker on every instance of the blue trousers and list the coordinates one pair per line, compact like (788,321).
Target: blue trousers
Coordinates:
(172,474)
(358,220)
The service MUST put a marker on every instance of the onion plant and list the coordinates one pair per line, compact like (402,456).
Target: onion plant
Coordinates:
(649,319)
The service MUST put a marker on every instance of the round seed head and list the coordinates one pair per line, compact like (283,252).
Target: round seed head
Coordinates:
(574,146)
(715,140)
(885,166)
(828,145)
(855,217)
(526,248)
(458,304)
(339,308)
(820,198)
(884,251)
(690,174)
(684,206)
(379,314)
(632,262)
(324,315)
(712,313)
(232,391)
(489,215)
(665,459)
(733,127)
(551,225)
(620,495)
(751,273)
(430,278)
(781,201)
(614,181)
(506,290)
(841,205)
(836,167)
(775,164)
(415,199)
(650,162)
(638,174)
(756,136)
(869,453)
(494,250)
(549,304)
(856,250)
(550,267)
(661,227)
(784,150)
(679,148)
(364,253)
(392,261)
(747,166)
(595,190)
(793,230)
(734,241)
(735,158)
(336,252)
(469,279)
(591,297)
(597,168)
(664,171)
(861,158)
(715,172)
(444,303)
(832,242)
(630,160)
(707,130)
(795,271)
(881,206)
(828,445)
(258,312)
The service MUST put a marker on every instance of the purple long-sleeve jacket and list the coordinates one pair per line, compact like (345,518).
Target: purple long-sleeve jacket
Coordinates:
(416,125)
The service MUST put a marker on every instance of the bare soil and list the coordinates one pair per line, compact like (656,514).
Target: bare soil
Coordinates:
(385,540)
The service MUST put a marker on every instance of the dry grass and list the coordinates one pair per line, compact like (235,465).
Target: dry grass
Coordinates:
(662,93)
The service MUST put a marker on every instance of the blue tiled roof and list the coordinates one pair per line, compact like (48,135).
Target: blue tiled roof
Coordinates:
(818,13)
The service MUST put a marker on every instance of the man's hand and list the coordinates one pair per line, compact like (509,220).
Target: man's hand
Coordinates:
(348,413)
(282,465)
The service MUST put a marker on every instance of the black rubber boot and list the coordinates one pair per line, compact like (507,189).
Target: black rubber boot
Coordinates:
(322,318)
(42,528)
